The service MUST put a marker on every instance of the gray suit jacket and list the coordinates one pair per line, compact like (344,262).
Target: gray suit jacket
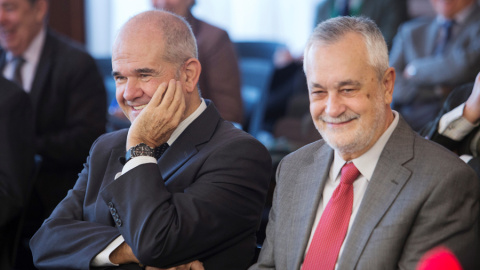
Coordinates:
(420,196)
(415,43)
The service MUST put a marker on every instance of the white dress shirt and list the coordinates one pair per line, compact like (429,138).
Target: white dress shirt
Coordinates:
(366,164)
(31,57)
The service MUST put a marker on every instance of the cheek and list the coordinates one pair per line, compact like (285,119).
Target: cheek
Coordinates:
(316,108)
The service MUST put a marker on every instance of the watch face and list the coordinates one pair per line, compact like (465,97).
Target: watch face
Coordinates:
(142,150)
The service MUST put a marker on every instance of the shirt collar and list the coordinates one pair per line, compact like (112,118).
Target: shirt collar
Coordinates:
(185,123)
(367,162)
(32,53)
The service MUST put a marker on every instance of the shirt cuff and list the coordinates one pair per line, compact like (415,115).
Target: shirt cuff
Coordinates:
(103,258)
(454,126)
(466,158)
(136,161)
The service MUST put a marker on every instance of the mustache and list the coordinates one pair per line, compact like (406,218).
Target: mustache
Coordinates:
(344,117)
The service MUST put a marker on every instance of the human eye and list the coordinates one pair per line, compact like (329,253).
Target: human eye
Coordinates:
(318,93)
(145,76)
(348,91)
(119,78)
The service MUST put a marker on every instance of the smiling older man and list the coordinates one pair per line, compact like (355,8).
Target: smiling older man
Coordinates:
(372,194)
(201,200)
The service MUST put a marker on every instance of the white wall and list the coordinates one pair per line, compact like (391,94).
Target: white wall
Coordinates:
(286,21)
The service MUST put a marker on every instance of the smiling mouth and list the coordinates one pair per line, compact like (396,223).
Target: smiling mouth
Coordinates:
(139,107)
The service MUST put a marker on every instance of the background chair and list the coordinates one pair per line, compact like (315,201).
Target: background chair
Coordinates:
(256,68)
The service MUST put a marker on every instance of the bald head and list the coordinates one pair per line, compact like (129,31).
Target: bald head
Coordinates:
(167,31)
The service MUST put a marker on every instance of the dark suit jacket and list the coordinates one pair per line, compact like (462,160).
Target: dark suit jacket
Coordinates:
(16,160)
(458,96)
(69,105)
(420,196)
(220,77)
(202,201)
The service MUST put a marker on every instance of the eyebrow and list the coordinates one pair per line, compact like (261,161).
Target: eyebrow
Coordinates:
(139,71)
(339,84)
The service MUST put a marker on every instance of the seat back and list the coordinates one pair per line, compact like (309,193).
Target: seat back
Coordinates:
(256,68)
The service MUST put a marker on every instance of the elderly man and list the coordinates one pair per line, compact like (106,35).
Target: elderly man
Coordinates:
(373,194)
(201,200)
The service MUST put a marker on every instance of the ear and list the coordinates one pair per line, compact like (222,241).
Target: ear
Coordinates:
(191,73)
(388,82)
(41,7)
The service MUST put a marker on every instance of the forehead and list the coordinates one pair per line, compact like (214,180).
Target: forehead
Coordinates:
(138,47)
(346,57)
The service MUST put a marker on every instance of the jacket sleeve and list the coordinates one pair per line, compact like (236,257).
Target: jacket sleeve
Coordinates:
(66,240)
(221,205)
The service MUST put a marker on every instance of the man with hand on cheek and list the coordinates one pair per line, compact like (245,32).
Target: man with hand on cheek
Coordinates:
(200,201)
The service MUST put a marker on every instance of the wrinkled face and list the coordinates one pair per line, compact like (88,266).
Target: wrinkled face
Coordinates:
(347,101)
(449,8)
(138,70)
(20,22)
(179,7)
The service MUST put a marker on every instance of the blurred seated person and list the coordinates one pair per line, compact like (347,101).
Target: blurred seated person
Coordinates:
(457,124)
(387,14)
(220,78)
(16,162)
(432,56)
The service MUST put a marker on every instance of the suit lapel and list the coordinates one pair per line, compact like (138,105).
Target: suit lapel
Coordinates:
(3,60)
(306,198)
(43,68)
(387,181)
(431,37)
(186,146)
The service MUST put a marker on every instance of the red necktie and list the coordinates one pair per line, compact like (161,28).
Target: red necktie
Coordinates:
(333,225)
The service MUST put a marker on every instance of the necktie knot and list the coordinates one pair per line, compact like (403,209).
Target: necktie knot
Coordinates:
(445,35)
(349,173)
(448,24)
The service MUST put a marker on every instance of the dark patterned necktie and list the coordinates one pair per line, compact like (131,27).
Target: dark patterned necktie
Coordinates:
(17,70)
(445,35)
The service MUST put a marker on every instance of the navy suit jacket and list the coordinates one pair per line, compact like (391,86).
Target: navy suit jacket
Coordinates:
(16,161)
(203,200)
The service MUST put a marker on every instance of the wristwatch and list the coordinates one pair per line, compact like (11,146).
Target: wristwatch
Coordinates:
(140,149)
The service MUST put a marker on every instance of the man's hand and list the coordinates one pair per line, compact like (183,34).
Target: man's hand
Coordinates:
(471,112)
(123,254)
(195,265)
(157,121)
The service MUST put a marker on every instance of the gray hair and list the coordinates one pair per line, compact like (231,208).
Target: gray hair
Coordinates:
(178,39)
(332,30)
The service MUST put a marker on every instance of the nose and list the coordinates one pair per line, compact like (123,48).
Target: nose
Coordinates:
(334,106)
(132,90)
